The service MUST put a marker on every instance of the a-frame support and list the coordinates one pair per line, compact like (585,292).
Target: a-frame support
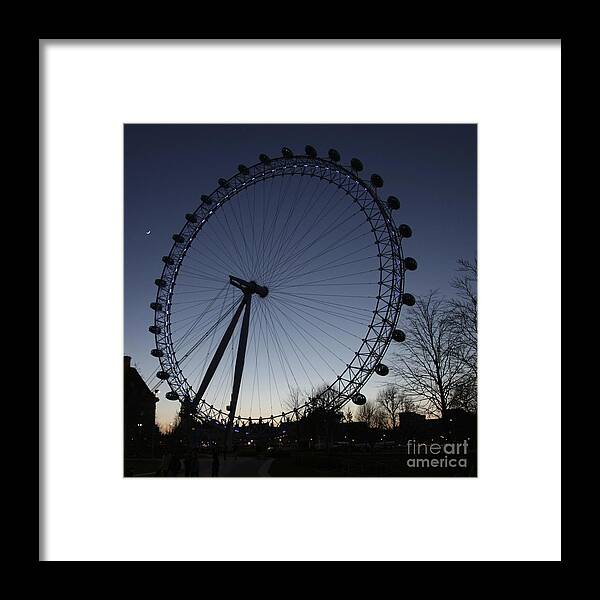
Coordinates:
(248,288)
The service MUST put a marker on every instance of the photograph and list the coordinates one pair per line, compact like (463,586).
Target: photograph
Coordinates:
(287,283)
(300,300)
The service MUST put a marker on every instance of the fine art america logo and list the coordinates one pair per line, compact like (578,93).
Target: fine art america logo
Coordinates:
(451,454)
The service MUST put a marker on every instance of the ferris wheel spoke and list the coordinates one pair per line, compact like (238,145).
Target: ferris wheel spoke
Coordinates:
(190,305)
(219,264)
(346,311)
(272,379)
(246,235)
(280,241)
(320,229)
(309,318)
(326,282)
(242,264)
(334,264)
(328,229)
(287,242)
(271,219)
(339,314)
(307,226)
(295,268)
(291,249)
(190,317)
(275,214)
(275,323)
(207,271)
(280,353)
(256,380)
(230,253)
(336,245)
(265,213)
(301,329)
(197,345)
(198,261)
(328,295)
(195,328)
(296,349)
(177,345)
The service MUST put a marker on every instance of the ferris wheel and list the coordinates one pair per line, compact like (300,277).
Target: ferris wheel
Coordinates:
(285,284)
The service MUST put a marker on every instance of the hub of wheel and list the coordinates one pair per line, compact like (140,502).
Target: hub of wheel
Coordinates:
(249,287)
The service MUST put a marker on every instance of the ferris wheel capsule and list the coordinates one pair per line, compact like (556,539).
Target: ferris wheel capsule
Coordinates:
(359,399)
(191,218)
(157,353)
(163,375)
(156,306)
(404,230)
(334,155)
(161,283)
(155,329)
(356,165)
(172,396)
(376,180)
(264,159)
(205,199)
(168,260)
(178,238)
(398,335)
(311,152)
(287,152)
(410,264)
(393,203)
(223,182)
(243,169)
(382,369)
(408,299)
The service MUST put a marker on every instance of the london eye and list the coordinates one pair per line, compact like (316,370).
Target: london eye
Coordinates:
(285,283)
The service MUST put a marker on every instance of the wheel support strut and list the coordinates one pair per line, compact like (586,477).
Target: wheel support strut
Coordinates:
(248,288)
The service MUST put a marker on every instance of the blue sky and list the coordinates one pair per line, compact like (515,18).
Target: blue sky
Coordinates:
(318,312)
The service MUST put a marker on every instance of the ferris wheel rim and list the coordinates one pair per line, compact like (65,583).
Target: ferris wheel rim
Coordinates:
(333,173)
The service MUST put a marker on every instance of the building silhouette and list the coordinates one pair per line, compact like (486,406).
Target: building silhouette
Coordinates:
(140,429)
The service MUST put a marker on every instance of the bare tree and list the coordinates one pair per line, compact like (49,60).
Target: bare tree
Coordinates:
(464,318)
(390,403)
(464,394)
(464,307)
(380,418)
(366,413)
(295,400)
(407,404)
(322,414)
(429,365)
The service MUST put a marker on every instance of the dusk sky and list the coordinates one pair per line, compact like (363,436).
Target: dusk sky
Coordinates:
(309,321)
